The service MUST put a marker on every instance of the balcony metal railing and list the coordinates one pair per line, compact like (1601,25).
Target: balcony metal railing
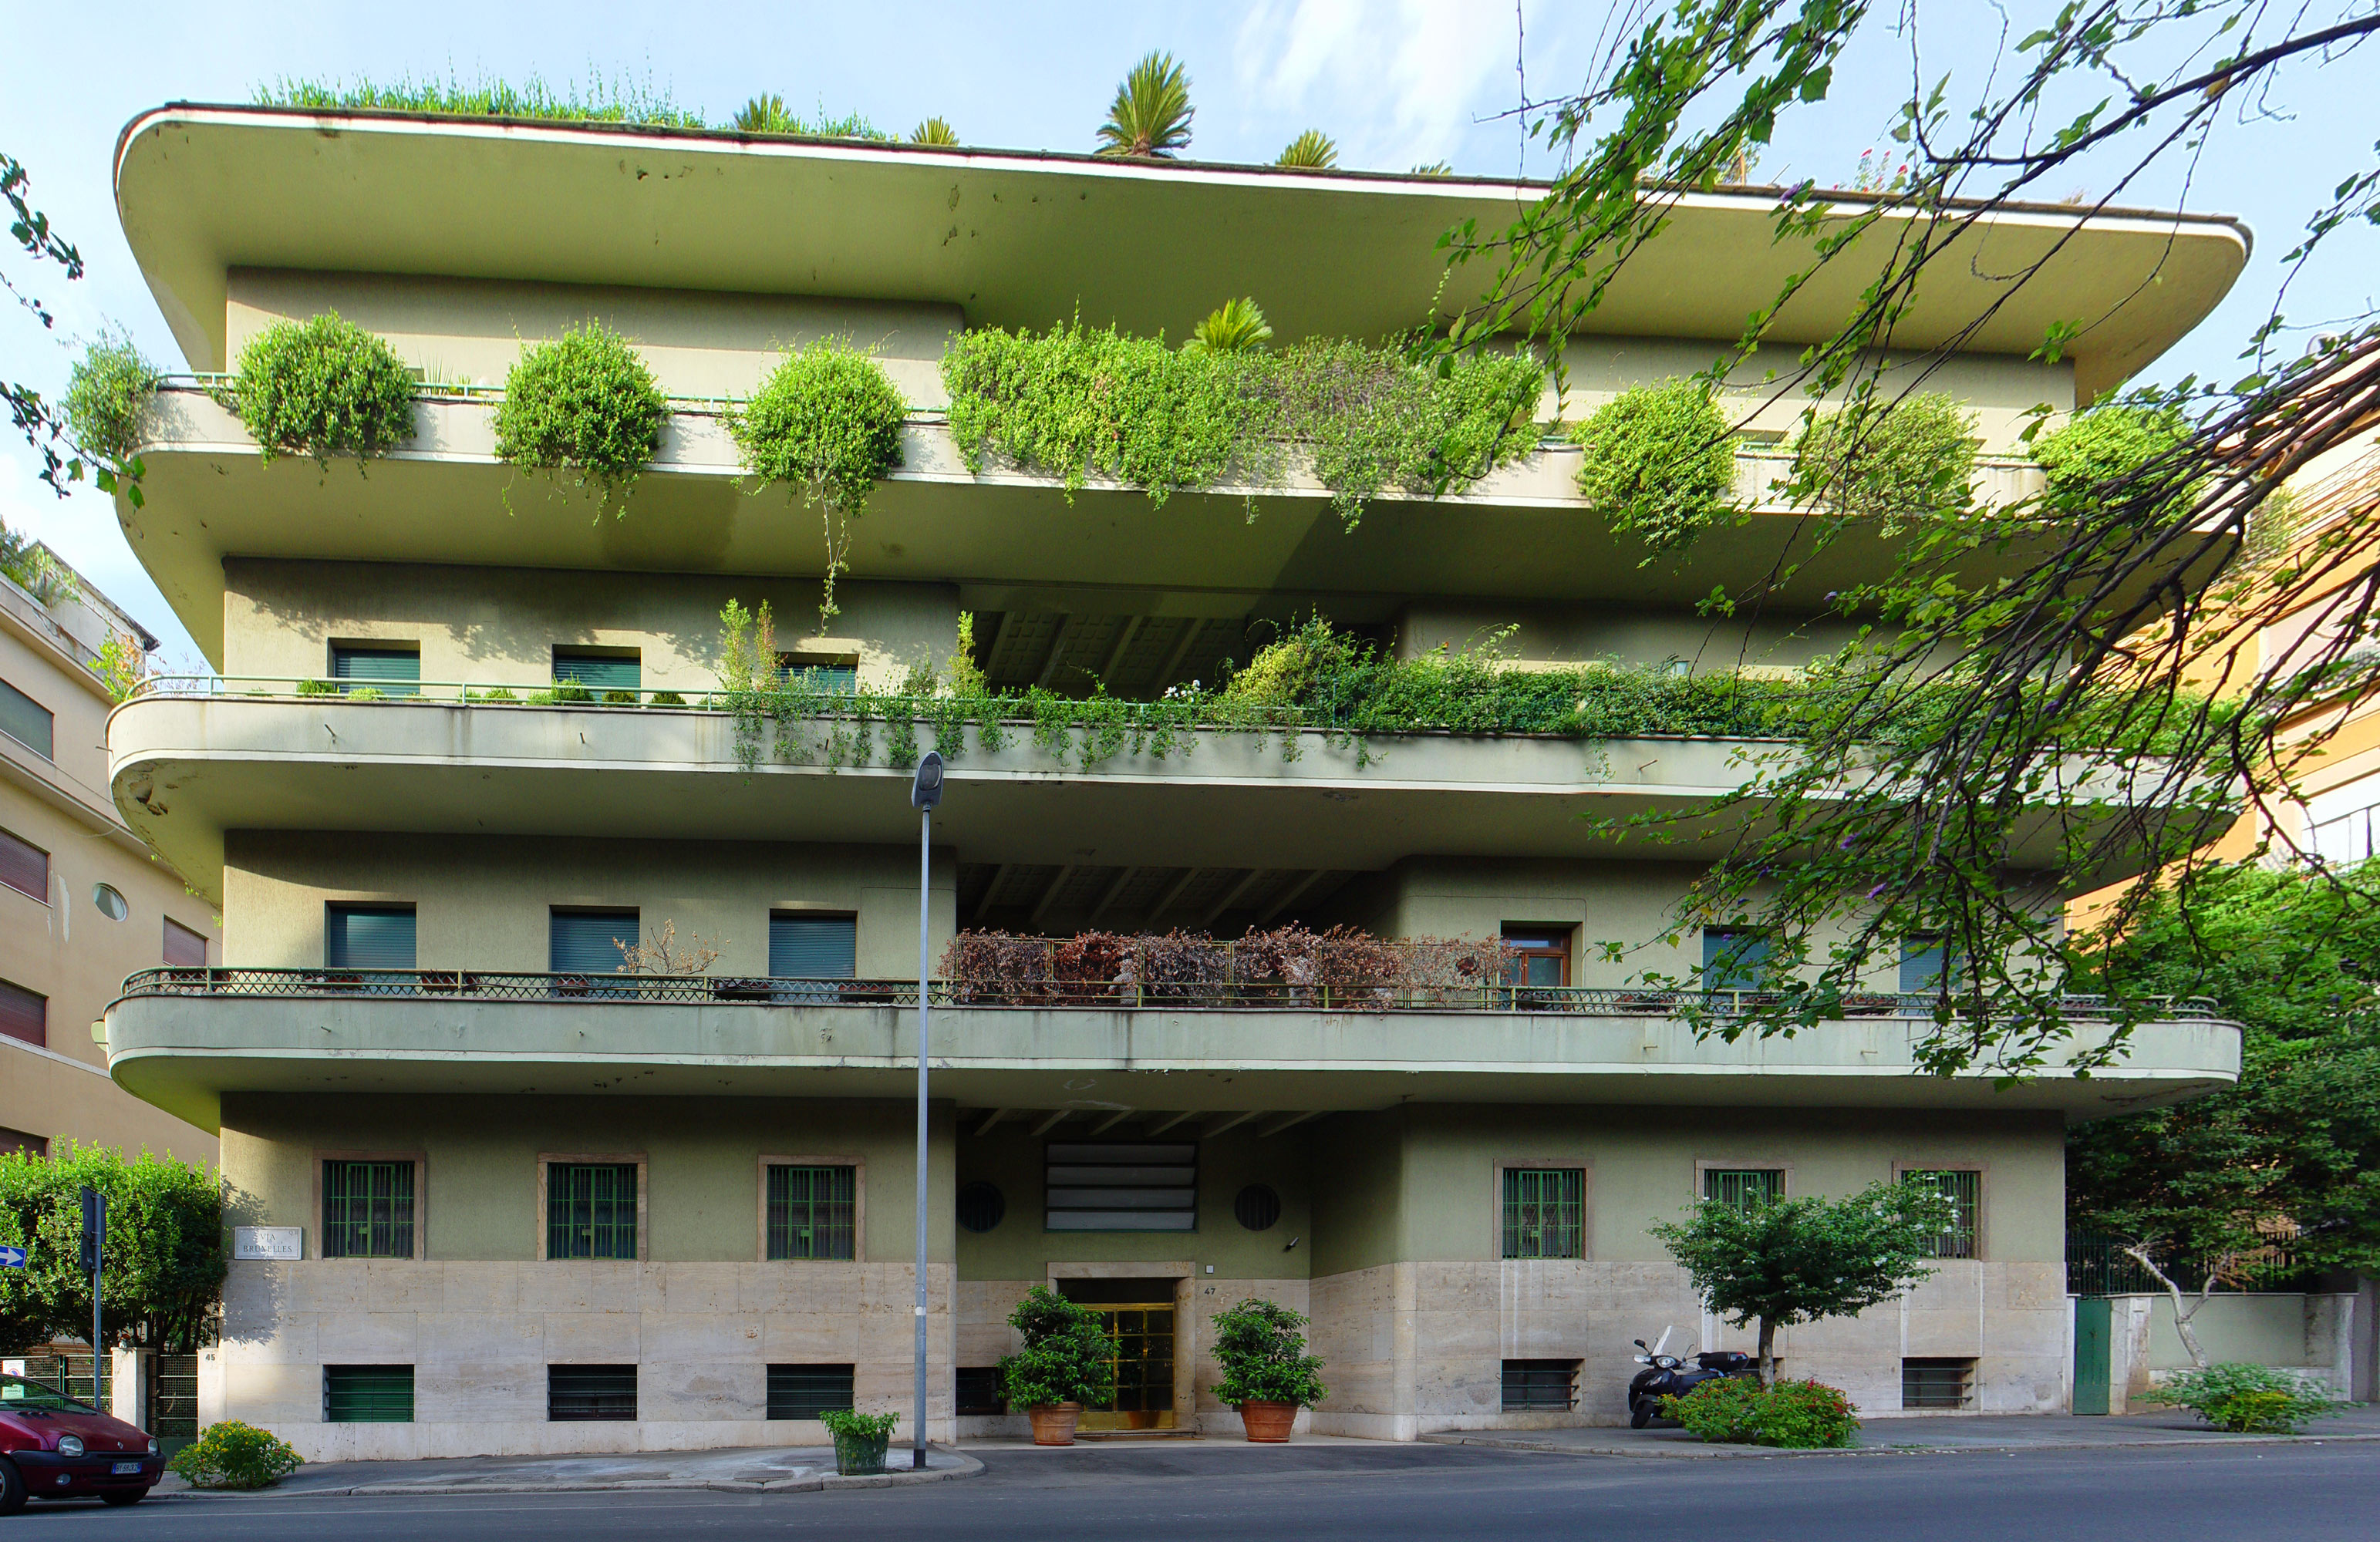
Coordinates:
(1167,995)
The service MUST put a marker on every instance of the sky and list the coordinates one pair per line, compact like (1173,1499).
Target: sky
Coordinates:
(1396,82)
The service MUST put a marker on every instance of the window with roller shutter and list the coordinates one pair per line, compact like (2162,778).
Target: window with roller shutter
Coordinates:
(24,1014)
(368,936)
(589,942)
(25,868)
(599,671)
(185,948)
(27,722)
(390,671)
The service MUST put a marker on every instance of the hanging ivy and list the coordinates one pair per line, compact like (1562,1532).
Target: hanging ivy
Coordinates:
(585,404)
(324,388)
(826,423)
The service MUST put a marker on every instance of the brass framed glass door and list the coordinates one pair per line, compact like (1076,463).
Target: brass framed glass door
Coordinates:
(1144,1364)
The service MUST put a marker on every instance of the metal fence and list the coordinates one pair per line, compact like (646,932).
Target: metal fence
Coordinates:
(2097,1265)
(1251,996)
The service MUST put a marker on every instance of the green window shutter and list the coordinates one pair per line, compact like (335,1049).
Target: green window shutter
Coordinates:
(598,672)
(812,1212)
(1963,1188)
(369,937)
(1545,1212)
(394,671)
(368,1395)
(27,722)
(1744,1188)
(589,942)
(826,679)
(367,1210)
(813,947)
(1922,959)
(590,1209)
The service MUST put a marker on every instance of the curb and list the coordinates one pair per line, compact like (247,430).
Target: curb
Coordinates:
(968,1467)
(1681,1451)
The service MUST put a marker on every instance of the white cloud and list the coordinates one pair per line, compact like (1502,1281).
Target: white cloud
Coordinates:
(1396,82)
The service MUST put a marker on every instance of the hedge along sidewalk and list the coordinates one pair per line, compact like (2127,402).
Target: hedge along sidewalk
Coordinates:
(1905,1434)
(734,1470)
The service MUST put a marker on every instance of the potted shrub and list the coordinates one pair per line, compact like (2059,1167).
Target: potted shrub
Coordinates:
(1068,1360)
(860,1439)
(1267,1376)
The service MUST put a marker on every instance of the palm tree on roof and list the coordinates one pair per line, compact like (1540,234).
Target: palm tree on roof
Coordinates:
(1152,115)
(1312,150)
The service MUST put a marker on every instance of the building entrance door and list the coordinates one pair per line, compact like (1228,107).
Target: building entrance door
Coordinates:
(1144,1365)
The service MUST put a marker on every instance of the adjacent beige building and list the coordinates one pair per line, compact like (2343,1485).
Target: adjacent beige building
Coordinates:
(84,900)
(492,1196)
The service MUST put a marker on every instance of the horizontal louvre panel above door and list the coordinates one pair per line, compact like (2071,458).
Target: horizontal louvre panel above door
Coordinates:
(1122,1187)
(27,722)
(369,937)
(24,1014)
(25,868)
(397,671)
(599,671)
(588,942)
(812,947)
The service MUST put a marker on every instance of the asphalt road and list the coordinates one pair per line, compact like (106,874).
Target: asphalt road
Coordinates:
(2306,1493)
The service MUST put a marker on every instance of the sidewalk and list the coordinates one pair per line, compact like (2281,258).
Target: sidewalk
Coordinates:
(747,1470)
(1988,1432)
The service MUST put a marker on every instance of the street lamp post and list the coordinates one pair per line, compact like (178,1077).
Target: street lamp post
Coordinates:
(924,792)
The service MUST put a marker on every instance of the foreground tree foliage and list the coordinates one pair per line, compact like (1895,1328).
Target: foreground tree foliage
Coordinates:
(164,1264)
(2050,692)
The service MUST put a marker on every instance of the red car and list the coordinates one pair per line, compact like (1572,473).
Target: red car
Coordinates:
(53,1448)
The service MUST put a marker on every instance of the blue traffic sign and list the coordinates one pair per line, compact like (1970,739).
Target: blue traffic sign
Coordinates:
(12,1257)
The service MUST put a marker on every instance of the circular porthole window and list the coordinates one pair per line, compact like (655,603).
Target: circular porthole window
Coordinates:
(111,904)
(981,1206)
(1256,1208)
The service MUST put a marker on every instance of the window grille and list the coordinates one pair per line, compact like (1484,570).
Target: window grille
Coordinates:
(368,1395)
(1545,1212)
(367,1210)
(1963,1190)
(590,1210)
(1122,1187)
(1744,1188)
(813,1212)
(1540,1385)
(1937,1383)
(806,1392)
(579,1393)
(979,1391)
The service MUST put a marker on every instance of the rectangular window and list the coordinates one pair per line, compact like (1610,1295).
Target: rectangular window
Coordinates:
(1536,956)
(813,1212)
(812,947)
(33,1146)
(1744,1188)
(831,676)
(579,1393)
(1963,1188)
(25,868)
(1122,1187)
(806,1392)
(979,1391)
(367,1210)
(1545,1212)
(27,722)
(390,671)
(1540,1385)
(184,949)
(1937,1383)
(600,671)
(1734,958)
(368,1395)
(368,936)
(1921,958)
(24,1014)
(589,941)
(590,1209)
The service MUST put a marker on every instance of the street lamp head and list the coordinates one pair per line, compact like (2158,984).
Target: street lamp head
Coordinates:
(926,791)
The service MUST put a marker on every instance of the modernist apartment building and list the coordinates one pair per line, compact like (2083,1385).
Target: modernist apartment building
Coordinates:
(498,1199)
(83,902)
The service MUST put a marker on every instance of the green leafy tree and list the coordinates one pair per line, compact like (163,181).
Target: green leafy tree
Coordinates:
(1067,1357)
(163,1266)
(1659,463)
(1150,118)
(1312,150)
(1799,1260)
(1261,1346)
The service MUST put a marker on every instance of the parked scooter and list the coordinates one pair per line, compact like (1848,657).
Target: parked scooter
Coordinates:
(1669,1376)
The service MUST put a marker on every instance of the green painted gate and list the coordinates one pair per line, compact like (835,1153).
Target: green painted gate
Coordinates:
(2094,1341)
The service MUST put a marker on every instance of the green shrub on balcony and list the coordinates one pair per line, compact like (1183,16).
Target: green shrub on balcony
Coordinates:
(1659,463)
(2094,450)
(109,393)
(324,387)
(584,403)
(1895,461)
(828,424)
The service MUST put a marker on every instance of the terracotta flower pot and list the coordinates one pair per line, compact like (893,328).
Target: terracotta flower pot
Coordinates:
(1053,1423)
(1267,1421)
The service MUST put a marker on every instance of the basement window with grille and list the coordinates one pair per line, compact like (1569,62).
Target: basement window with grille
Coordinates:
(1540,1386)
(806,1392)
(1122,1187)
(979,1391)
(368,1395)
(1937,1383)
(576,1394)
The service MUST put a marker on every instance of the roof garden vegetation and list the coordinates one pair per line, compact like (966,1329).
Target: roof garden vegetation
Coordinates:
(620,100)
(585,404)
